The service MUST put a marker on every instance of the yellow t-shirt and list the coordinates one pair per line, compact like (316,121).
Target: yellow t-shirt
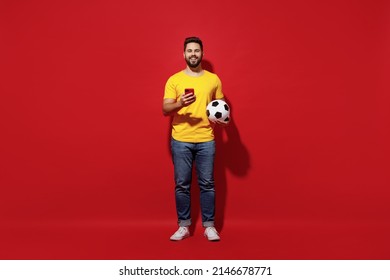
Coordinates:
(190,124)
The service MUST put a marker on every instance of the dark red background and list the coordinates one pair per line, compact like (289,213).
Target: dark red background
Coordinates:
(302,171)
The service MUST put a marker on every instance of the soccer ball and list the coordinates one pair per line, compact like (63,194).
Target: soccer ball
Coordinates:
(218,110)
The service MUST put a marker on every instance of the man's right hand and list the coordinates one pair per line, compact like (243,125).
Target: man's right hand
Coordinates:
(171,105)
(187,99)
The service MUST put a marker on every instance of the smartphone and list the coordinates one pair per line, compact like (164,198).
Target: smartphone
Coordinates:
(189,91)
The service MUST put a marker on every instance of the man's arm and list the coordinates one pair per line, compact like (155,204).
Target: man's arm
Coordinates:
(170,105)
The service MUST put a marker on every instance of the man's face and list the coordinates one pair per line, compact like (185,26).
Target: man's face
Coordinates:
(193,55)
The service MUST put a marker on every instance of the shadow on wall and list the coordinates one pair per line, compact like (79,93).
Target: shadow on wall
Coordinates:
(231,155)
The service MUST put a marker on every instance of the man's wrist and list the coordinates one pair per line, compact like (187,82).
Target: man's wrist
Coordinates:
(180,104)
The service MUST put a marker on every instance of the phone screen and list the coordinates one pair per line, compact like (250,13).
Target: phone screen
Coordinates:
(189,91)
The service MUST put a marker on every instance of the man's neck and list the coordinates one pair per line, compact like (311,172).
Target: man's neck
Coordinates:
(194,72)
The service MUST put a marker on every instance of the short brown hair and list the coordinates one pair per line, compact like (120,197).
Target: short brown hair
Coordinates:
(193,40)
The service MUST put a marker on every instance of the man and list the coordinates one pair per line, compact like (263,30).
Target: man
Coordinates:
(193,137)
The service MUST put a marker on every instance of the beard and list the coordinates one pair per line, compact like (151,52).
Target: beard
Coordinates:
(193,63)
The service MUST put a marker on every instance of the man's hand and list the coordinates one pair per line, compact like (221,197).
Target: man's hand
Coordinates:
(221,123)
(170,105)
(187,99)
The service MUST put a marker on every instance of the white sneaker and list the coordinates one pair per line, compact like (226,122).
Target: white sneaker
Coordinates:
(180,234)
(212,234)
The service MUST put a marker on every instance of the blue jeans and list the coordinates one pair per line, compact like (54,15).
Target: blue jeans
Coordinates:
(184,155)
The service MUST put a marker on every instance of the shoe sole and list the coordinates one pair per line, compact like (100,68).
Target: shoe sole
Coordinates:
(184,237)
(213,239)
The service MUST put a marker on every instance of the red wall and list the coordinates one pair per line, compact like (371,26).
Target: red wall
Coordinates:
(83,136)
